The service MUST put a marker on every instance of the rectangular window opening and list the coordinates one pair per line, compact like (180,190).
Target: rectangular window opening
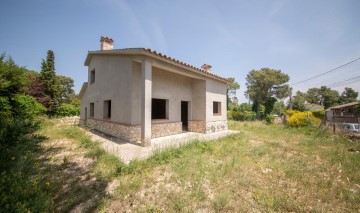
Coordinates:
(92,76)
(107,109)
(216,108)
(91,110)
(159,108)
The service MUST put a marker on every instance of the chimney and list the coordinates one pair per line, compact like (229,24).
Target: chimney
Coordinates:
(106,43)
(206,67)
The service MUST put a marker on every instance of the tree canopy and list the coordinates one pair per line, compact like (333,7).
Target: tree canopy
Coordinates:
(231,88)
(264,86)
(348,95)
(265,83)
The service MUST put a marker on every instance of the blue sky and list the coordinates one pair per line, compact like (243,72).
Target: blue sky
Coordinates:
(302,38)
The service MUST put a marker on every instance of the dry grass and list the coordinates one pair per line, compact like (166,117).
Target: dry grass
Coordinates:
(265,168)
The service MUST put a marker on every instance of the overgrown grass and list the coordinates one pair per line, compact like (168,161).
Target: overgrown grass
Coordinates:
(264,168)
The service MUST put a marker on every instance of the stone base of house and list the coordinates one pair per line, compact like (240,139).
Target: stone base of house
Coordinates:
(197,126)
(132,133)
(165,129)
(207,127)
(215,126)
(126,132)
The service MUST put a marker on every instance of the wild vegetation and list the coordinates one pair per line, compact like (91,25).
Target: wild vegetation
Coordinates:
(24,103)
(264,168)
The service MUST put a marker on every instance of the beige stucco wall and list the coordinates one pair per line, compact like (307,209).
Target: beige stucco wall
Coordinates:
(118,78)
(215,91)
(112,76)
(173,87)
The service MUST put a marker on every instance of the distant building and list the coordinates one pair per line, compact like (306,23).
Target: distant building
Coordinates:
(345,113)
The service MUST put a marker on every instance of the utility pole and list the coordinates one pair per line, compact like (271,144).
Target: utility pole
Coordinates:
(290,105)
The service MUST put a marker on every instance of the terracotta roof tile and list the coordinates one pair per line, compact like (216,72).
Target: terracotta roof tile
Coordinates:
(183,63)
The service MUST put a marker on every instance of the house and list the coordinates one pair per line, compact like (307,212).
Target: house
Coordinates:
(345,113)
(138,94)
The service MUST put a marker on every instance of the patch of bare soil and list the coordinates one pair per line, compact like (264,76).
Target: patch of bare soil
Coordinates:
(77,188)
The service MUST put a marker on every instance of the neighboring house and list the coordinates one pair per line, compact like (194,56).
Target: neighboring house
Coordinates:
(138,94)
(345,113)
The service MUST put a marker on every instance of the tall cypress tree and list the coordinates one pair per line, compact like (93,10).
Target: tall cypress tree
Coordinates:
(48,78)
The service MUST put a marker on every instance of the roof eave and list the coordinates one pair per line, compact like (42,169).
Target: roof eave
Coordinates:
(156,55)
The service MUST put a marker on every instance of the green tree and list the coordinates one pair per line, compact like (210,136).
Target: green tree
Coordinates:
(279,107)
(12,78)
(313,95)
(49,80)
(298,101)
(17,111)
(348,95)
(323,96)
(231,88)
(65,90)
(329,97)
(265,84)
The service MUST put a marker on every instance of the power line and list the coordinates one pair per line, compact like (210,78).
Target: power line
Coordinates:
(344,65)
(357,78)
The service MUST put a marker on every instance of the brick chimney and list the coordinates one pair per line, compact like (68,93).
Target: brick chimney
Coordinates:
(106,43)
(206,67)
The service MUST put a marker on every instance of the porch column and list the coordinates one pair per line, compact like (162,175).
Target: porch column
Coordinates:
(146,93)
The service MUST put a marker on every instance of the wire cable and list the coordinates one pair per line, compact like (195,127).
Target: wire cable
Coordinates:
(340,83)
(344,65)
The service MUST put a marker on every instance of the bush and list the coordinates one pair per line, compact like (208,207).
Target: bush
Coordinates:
(18,118)
(269,119)
(66,110)
(243,116)
(27,107)
(318,113)
(229,115)
(290,112)
(300,119)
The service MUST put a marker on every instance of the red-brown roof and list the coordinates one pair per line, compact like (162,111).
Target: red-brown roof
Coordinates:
(153,52)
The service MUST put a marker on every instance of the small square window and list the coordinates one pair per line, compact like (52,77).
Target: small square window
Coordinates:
(91,110)
(92,76)
(159,108)
(107,109)
(216,108)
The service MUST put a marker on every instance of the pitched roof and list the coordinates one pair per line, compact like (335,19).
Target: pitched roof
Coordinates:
(345,105)
(152,53)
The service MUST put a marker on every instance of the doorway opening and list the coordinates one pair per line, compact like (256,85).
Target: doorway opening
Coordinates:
(184,115)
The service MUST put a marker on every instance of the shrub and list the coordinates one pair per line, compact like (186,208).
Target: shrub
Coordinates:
(269,119)
(66,110)
(290,112)
(318,113)
(229,115)
(27,107)
(300,119)
(243,116)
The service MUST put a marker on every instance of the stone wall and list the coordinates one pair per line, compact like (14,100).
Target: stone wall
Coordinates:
(214,126)
(197,126)
(127,132)
(165,129)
